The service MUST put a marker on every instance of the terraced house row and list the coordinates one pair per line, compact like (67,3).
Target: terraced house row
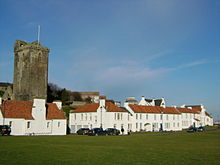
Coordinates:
(40,118)
(147,115)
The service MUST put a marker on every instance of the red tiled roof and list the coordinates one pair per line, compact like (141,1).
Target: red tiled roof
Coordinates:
(153,109)
(196,110)
(110,107)
(113,108)
(17,109)
(23,109)
(170,110)
(145,109)
(86,108)
(185,110)
(53,112)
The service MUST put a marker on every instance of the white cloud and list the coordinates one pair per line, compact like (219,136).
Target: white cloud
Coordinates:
(159,55)
(190,64)
(98,68)
(128,74)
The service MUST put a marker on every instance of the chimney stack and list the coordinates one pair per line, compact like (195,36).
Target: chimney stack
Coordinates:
(0,101)
(102,101)
(59,104)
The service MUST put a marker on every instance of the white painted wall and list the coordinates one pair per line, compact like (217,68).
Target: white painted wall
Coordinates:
(138,121)
(97,119)
(58,127)
(17,125)
(153,121)
(38,126)
(188,119)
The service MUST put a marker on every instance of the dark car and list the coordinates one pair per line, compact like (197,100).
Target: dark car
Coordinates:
(192,129)
(5,130)
(83,131)
(97,132)
(112,131)
(201,129)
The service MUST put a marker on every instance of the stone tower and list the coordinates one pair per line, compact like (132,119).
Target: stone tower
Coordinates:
(30,71)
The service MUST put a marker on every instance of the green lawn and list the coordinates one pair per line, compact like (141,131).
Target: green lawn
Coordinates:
(192,148)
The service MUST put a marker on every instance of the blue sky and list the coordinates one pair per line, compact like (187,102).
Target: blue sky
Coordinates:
(122,48)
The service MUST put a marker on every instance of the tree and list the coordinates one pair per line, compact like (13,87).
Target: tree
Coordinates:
(88,100)
(76,96)
(2,93)
(53,92)
(64,95)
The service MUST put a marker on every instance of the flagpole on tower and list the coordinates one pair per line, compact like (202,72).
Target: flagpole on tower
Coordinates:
(38,35)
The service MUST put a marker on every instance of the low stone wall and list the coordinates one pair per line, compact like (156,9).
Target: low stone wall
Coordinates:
(77,104)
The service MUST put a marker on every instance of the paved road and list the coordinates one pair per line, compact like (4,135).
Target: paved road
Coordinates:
(170,133)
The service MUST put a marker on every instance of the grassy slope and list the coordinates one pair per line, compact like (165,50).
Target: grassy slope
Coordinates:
(195,148)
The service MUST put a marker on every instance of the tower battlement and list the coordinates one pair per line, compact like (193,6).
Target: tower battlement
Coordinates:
(22,45)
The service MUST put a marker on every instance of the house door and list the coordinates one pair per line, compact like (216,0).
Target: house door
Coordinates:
(161,127)
(147,127)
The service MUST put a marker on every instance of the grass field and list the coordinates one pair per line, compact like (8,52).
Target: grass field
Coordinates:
(194,148)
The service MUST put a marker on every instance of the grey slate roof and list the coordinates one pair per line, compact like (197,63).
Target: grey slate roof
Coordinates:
(148,100)
(158,102)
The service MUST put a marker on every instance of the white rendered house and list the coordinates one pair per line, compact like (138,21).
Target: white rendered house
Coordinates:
(195,115)
(192,115)
(153,118)
(33,118)
(103,114)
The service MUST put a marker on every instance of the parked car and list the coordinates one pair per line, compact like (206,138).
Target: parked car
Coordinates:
(201,129)
(83,131)
(192,129)
(97,132)
(112,131)
(5,130)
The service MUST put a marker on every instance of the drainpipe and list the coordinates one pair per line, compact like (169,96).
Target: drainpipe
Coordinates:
(101,116)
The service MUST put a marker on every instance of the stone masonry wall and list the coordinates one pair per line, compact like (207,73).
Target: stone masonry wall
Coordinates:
(30,71)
